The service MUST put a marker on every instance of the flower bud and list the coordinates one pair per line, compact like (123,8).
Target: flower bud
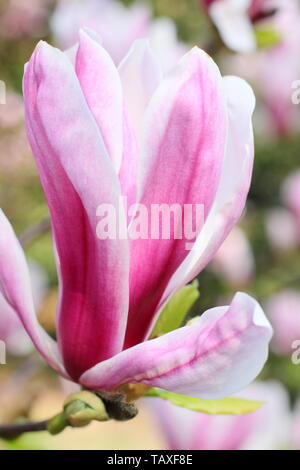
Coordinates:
(83,407)
(57,424)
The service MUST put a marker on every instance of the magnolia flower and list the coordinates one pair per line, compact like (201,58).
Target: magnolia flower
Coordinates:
(235,20)
(267,428)
(235,260)
(276,90)
(98,132)
(118,26)
(283,310)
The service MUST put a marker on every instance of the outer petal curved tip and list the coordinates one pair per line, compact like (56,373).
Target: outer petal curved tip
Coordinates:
(214,357)
(140,75)
(16,288)
(103,94)
(240,95)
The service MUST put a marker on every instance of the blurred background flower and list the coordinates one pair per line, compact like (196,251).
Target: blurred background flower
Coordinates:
(266,428)
(20,18)
(117,26)
(283,310)
(234,260)
(279,115)
(280,239)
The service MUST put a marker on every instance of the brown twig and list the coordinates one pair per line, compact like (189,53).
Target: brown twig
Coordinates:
(116,406)
(13,430)
(34,232)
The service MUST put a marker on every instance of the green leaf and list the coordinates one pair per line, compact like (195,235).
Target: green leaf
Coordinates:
(222,406)
(175,311)
(267,38)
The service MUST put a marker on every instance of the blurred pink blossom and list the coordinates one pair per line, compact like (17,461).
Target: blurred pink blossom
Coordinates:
(280,115)
(276,88)
(290,193)
(235,20)
(12,112)
(283,310)
(281,231)
(265,429)
(235,260)
(118,27)
(24,18)
(283,223)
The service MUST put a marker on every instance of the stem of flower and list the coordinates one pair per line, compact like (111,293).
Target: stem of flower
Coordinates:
(13,430)
(114,407)
(34,232)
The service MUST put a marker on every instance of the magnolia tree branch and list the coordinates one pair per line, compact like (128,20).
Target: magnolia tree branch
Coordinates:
(35,231)
(77,413)
(13,430)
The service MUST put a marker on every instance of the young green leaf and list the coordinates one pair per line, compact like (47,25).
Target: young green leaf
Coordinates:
(176,309)
(228,406)
(267,38)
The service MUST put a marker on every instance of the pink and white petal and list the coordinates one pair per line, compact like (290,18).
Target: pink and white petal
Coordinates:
(232,191)
(215,356)
(182,155)
(140,75)
(15,287)
(128,170)
(77,176)
(234,25)
(101,86)
(12,331)
(71,53)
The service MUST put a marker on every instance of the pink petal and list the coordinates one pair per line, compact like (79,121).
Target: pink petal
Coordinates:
(216,356)
(140,75)
(16,288)
(127,175)
(182,154)
(77,175)
(100,82)
(233,188)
